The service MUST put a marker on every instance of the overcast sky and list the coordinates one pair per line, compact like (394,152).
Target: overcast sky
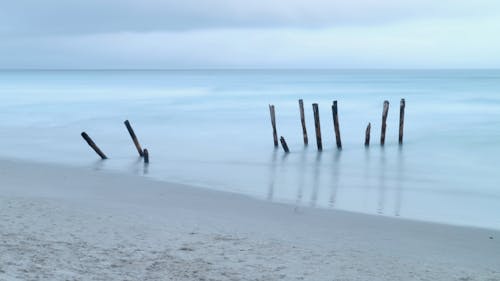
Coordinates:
(250,34)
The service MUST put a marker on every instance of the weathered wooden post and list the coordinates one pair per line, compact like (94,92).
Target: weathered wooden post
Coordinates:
(367,134)
(401,119)
(303,121)
(273,123)
(384,122)
(317,126)
(93,145)
(134,138)
(146,156)
(284,145)
(336,124)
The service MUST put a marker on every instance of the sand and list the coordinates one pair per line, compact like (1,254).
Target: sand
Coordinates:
(63,223)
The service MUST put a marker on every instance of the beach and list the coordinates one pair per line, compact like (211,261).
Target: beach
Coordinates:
(249,140)
(70,223)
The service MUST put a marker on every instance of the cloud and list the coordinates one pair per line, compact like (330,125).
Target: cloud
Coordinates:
(29,17)
(418,44)
(249,34)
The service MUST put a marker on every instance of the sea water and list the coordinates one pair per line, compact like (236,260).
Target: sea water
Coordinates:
(212,129)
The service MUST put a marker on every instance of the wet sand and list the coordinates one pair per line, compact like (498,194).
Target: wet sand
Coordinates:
(63,223)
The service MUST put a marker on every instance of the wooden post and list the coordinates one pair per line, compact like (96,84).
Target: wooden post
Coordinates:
(401,119)
(93,145)
(367,134)
(273,123)
(134,138)
(317,126)
(336,124)
(284,145)
(146,156)
(384,122)
(303,121)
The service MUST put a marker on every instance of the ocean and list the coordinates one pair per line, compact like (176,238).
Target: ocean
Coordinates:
(212,129)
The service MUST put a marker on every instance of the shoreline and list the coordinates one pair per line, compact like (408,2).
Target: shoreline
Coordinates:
(151,230)
(208,188)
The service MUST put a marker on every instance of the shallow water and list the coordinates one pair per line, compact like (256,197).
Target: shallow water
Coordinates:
(212,129)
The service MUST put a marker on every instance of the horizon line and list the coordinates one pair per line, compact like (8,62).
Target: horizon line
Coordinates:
(243,69)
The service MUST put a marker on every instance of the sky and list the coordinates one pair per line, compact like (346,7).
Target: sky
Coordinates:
(173,34)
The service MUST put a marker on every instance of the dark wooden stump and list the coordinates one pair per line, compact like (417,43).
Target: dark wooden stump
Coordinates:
(303,121)
(134,138)
(367,134)
(317,126)
(384,122)
(146,156)
(284,145)
(93,145)
(273,123)
(401,119)
(336,124)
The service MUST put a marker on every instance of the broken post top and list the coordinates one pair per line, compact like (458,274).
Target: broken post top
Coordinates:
(91,143)
(316,112)
(317,126)
(401,120)
(336,124)
(273,114)
(284,144)
(146,156)
(385,111)
(301,107)
(384,120)
(303,122)
(134,138)
(367,134)
(273,124)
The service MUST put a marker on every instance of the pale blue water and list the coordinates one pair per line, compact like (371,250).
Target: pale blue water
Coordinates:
(212,129)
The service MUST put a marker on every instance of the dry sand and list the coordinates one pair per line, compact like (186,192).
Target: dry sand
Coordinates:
(60,223)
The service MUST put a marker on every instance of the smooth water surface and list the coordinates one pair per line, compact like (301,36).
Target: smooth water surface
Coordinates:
(212,129)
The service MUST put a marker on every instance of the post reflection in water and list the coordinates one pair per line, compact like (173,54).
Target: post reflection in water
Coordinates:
(98,165)
(301,175)
(135,166)
(380,178)
(316,179)
(399,184)
(382,182)
(335,178)
(367,182)
(272,174)
(366,185)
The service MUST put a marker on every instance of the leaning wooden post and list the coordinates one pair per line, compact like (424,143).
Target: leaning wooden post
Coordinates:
(336,124)
(93,145)
(134,138)
(401,120)
(284,145)
(303,121)
(367,134)
(273,123)
(317,126)
(146,156)
(384,122)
